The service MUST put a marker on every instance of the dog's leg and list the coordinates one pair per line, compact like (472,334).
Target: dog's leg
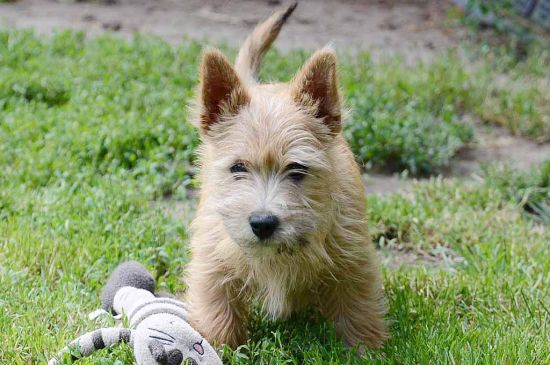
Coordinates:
(215,310)
(356,304)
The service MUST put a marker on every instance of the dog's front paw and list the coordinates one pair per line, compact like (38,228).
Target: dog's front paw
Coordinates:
(365,330)
(220,324)
(230,334)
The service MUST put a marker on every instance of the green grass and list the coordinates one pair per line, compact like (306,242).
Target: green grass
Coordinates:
(530,191)
(59,243)
(518,97)
(515,56)
(126,103)
(93,131)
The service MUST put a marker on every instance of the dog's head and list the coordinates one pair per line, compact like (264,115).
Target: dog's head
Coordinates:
(266,153)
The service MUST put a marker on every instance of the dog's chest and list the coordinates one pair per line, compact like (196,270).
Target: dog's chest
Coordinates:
(280,301)
(284,290)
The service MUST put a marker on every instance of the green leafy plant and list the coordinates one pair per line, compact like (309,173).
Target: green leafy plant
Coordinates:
(531,191)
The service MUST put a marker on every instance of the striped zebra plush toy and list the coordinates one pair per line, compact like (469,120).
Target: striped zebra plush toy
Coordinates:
(159,332)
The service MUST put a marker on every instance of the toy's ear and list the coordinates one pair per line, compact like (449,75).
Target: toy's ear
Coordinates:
(158,352)
(129,273)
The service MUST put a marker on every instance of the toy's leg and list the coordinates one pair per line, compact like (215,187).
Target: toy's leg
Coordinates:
(355,302)
(89,342)
(215,311)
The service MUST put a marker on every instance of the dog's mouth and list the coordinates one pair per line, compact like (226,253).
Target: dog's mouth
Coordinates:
(279,246)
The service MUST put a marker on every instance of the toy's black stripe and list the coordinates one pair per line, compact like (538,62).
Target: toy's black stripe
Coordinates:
(97,339)
(124,335)
(74,358)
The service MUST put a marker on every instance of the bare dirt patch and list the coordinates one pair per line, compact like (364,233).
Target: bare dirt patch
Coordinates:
(438,257)
(409,28)
(497,144)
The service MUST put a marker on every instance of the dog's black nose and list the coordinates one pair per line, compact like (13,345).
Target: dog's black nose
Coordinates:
(263,225)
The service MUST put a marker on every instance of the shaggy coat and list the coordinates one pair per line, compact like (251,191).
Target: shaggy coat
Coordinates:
(278,148)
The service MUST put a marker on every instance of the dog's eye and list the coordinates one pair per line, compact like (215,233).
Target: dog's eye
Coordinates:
(296,171)
(238,169)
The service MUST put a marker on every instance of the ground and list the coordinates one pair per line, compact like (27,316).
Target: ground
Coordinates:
(96,155)
(386,27)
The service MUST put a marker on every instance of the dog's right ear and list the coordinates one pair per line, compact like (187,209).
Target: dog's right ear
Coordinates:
(222,93)
(316,86)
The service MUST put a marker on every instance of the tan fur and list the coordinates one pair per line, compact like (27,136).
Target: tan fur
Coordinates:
(258,42)
(320,256)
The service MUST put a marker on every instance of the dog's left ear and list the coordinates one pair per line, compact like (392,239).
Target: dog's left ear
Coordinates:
(316,86)
(222,93)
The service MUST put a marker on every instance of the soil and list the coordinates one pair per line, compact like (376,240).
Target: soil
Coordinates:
(437,258)
(410,28)
(413,29)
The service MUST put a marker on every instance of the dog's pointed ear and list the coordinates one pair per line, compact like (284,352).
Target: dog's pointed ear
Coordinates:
(316,88)
(222,93)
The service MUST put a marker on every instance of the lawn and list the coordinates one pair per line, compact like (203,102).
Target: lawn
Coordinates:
(95,142)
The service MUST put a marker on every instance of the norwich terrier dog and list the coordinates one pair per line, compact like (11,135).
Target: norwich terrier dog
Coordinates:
(281,220)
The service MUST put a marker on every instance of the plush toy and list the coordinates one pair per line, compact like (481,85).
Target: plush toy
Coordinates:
(159,332)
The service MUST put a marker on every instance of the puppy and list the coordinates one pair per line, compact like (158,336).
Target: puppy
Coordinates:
(281,219)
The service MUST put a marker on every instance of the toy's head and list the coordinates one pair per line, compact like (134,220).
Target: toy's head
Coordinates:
(159,332)
(165,339)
